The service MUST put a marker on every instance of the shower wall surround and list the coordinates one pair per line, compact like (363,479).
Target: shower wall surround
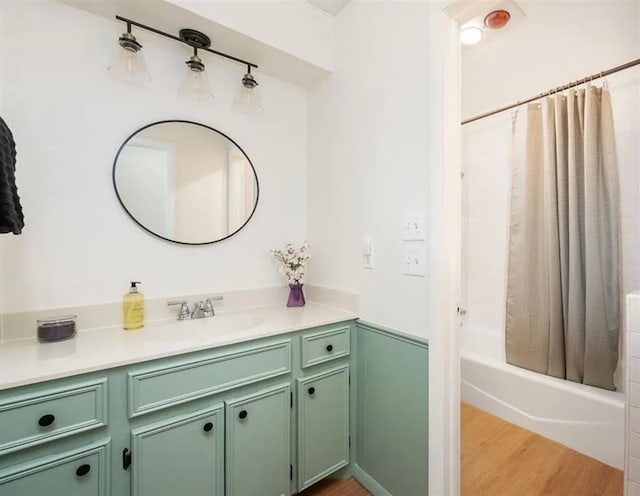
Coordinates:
(69,118)
(633,403)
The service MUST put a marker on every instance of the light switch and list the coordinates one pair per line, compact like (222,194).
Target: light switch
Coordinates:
(413,228)
(367,252)
(414,259)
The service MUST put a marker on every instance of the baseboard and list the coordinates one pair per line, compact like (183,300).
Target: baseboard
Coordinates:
(368,482)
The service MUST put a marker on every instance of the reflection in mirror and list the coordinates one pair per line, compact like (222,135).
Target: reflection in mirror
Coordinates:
(185,182)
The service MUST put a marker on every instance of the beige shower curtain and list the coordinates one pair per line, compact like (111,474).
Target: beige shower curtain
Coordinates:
(562,315)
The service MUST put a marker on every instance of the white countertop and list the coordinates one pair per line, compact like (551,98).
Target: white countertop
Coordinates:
(26,361)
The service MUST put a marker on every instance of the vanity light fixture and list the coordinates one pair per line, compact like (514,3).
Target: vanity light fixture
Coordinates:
(196,83)
(128,64)
(248,100)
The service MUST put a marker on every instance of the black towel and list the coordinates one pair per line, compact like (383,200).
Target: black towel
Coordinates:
(11,218)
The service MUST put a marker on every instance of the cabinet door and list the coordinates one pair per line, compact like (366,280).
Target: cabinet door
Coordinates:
(258,443)
(76,473)
(182,455)
(323,425)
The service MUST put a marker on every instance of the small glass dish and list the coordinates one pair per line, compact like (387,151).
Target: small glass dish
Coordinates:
(56,328)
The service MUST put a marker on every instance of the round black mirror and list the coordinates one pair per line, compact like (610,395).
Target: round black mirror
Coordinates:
(185,182)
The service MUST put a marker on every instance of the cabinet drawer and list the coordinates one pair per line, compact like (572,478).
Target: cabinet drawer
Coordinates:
(157,388)
(80,472)
(322,346)
(41,417)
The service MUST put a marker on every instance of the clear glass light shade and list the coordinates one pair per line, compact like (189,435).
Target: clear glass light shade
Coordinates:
(248,101)
(128,66)
(196,85)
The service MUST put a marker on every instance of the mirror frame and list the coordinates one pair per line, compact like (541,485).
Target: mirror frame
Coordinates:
(115,188)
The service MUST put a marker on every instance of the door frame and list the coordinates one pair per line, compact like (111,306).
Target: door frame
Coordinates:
(445,150)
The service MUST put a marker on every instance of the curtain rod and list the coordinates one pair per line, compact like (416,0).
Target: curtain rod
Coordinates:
(584,80)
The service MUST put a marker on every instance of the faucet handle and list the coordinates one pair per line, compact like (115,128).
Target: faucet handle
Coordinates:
(183,313)
(208,310)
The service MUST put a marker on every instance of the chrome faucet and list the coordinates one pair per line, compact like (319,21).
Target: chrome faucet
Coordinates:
(201,309)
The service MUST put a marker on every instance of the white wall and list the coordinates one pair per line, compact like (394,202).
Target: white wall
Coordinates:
(368,158)
(293,26)
(69,118)
(378,146)
(556,43)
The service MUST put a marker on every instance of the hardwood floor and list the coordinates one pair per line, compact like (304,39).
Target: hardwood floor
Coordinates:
(335,487)
(502,459)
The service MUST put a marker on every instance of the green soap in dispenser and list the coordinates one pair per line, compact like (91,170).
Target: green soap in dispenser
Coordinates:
(133,308)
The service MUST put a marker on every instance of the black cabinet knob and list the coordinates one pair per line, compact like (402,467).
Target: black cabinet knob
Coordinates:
(312,390)
(83,470)
(208,427)
(243,414)
(329,348)
(46,420)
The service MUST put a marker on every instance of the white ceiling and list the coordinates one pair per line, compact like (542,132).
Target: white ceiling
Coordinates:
(331,6)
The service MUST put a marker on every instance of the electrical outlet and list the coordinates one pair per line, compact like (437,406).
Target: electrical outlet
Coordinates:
(414,259)
(414,225)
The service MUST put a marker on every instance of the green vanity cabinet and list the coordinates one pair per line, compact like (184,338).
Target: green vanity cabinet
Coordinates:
(323,425)
(258,443)
(265,417)
(81,472)
(182,452)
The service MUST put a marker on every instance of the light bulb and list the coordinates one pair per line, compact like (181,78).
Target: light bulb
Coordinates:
(129,64)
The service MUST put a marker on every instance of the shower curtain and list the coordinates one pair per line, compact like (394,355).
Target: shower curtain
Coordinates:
(562,308)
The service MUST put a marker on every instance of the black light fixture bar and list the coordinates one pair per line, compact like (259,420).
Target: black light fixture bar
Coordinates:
(176,38)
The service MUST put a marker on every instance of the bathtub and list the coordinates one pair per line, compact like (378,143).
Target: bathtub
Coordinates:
(584,418)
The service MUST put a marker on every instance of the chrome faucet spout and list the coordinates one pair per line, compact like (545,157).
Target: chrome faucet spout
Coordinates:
(198,310)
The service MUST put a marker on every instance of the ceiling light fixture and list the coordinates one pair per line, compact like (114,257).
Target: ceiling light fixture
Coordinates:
(470,35)
(130,66)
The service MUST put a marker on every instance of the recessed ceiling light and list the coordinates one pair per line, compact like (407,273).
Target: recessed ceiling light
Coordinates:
(470,35)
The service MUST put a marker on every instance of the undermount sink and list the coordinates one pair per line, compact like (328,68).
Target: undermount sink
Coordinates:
(230,322)
(196,329)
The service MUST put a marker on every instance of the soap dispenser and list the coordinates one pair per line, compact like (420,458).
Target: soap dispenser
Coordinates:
(133,308)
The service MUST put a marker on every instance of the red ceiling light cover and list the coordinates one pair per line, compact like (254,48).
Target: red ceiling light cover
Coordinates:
(497,19)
